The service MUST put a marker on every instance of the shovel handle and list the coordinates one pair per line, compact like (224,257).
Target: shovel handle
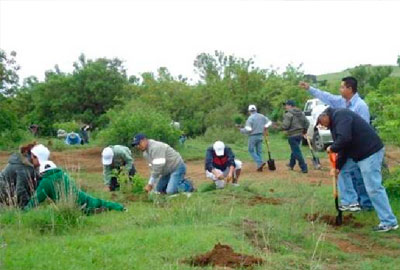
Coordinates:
(332,160)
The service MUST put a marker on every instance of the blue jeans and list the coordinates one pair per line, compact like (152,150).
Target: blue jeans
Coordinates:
(351,185)
(169,183)
(294,142)
(255,148)
(370,168)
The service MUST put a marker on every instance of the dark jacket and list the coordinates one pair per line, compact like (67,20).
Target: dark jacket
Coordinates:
(295,122)
(213,161)
(18,177)
(352,136)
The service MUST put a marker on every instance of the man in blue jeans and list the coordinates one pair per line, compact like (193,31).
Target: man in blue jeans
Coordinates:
(256,127)
(167,167)
(354,138)
(295,124)
(353,195)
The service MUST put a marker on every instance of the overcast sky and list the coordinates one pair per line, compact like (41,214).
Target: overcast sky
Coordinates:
(324,36)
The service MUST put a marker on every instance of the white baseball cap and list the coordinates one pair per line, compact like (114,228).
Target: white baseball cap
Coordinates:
(41,152)
(219,148)
(252,108)
(107,156)
(47,165)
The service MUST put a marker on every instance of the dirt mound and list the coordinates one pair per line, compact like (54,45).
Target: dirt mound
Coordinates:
(223,255)
(331,220)
(263,200)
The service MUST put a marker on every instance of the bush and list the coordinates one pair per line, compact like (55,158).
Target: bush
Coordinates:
(137,118)
(392,183)
(227,135)
(67,126)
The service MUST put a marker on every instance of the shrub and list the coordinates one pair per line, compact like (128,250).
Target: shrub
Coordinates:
(138,118)
(67,126)
(227,135)
(392,183)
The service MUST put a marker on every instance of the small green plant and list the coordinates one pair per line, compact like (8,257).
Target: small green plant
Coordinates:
(392,182)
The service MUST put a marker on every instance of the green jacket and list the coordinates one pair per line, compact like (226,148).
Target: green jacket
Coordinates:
(295,122)
(57,186)
(122,157)
(19,178)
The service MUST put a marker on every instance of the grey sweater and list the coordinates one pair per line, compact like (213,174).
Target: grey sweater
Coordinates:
(255,124)
(295,122)
(162,159)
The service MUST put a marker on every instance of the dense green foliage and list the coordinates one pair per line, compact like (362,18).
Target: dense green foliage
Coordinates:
(99,92)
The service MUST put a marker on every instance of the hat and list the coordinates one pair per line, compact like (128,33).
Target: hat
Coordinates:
(138,137)
(107,156)
(47,165)
(252,108)
(289,102)
(219,148)
(41,152)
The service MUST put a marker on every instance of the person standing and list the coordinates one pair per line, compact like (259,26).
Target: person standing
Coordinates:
(256,127)
(295,124)
(221,165)
(352,192)
(354,137)
(114,157)
(167,167)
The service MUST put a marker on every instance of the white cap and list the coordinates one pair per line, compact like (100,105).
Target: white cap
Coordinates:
(107,156)
(219,148)
(252,108)
(41,152)
(47,165)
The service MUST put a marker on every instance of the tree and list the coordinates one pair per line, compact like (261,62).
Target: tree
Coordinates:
(8,73)
(398,60)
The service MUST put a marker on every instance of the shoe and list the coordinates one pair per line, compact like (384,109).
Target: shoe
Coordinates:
(350,207)
(385,228)
(235,185)
(306,171)
(260,169)
(289,167)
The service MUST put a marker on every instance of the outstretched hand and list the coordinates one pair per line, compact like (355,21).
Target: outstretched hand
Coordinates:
(304,85)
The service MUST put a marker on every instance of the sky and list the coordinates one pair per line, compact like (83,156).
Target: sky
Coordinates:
(324,36)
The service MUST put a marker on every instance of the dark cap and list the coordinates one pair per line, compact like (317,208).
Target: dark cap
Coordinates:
(138,137)
(289,102)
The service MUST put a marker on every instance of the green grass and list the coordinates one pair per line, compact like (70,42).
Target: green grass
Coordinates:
(160,233)
(337,76)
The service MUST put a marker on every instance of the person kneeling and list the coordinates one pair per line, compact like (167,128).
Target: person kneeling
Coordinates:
(221,165)
(57,185)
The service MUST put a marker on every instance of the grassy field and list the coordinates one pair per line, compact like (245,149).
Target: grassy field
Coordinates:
(337,76)
(161,232)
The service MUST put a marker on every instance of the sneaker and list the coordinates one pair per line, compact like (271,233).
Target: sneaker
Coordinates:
(350,207)
(289,167)
(235,185)
(385,228)
(305,171)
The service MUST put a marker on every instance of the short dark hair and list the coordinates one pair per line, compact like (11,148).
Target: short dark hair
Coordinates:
(350,82)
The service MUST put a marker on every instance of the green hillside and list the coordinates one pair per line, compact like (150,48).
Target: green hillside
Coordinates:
(330,77)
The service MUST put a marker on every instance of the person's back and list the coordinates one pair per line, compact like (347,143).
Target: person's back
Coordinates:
(353,133)
(295,122)
(18,178)
(159,150)
(257,122)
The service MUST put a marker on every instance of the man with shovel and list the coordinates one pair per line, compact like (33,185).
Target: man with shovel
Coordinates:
(354,138)
(295,124)
(256,127)
(353,195)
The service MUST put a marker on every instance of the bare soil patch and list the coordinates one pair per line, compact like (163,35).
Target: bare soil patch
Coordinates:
(348,220)
(223,255)
(263,200)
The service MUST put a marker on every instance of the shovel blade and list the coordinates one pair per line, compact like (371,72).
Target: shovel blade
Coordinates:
(271,165)
(316,163)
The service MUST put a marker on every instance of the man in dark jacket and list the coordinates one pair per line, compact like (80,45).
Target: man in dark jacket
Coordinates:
(354,138)
(221,165)
(295,124)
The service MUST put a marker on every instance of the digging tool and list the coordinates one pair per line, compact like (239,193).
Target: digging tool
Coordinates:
(270,162)
(332,159)
(315,160)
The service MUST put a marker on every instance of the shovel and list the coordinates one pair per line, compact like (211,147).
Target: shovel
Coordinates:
(315,160)
(332,159)
(270,162)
